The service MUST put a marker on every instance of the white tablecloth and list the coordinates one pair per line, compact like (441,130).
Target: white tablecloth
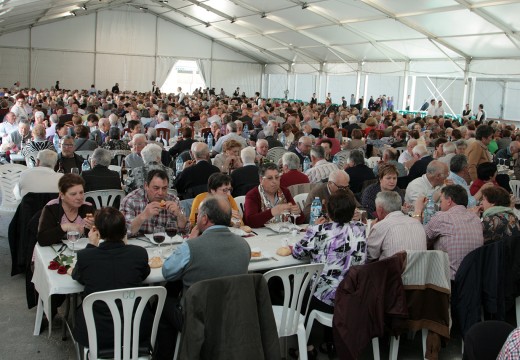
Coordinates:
(49,282)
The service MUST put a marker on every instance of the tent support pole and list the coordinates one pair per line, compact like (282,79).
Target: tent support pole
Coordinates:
(95,47)
(30,56)
(405,85)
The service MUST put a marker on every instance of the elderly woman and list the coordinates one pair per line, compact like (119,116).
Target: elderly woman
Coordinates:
(229,159)
(218,184)
(151,155)
(67,213)
(39,142)
(339,244)
(486,173)
(387,176)
(114,140)
(498,218)
(127,266)
(289,136)
(267,202)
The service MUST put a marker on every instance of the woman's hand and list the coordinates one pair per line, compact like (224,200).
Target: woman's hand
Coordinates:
(72,227)
(280,208)
(94,236)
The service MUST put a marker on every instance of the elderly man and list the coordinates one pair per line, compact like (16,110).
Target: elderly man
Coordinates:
(436,175)
(390,156)
(477,152)
(395,231)
(194,177)
(407,158)
(164,123)
(449,149)
(100,177)
(459,173)
(321,168)
(303,148)
(338,180)
(151,155)
(99,135)
(245,178)
(151,206)
(135,159)
(40,179)
(68,159)
(8,126)
(231,128)
(357,170)
(291,171)
(423,158)
(262,147)
(17,138)
(215,253)
(269,132)
(454,229)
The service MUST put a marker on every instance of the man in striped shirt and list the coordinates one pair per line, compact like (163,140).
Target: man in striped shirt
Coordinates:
(394,231)
(321,168)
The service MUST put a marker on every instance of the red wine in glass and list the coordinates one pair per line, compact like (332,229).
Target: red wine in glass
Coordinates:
(159,239)
(171,232)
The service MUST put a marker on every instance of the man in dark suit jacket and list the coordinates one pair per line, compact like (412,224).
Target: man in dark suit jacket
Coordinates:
(99,135)
(101,177)
(245,178)
(418,169)
(358,171)
(191,181)
(303,148)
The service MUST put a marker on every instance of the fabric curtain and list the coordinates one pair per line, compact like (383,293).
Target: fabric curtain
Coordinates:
(164,66)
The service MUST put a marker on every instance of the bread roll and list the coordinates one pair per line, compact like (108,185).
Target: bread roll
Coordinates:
(256,253)
(283,251)
(155,262)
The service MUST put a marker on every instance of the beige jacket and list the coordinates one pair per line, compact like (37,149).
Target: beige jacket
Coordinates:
(477,153)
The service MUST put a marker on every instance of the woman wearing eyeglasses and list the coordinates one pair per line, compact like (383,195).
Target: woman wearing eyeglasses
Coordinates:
(267,202)
(218,184)
(387,175)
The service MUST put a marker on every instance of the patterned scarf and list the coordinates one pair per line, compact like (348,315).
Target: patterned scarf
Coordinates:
(279,198)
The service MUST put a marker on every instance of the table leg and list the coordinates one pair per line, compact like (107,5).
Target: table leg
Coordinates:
(39,317)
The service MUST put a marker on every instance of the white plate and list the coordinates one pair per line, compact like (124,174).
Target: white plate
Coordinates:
(79,245)
(237,231)
(276,226)
(177,239)
(264,256)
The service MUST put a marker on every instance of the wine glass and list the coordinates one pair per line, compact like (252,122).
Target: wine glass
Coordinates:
(294,215)
(182,231)
(284,226)
(159,236)
(74,170)
(73,237)
(171,229)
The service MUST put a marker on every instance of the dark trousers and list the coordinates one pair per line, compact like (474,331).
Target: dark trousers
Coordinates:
(171,322)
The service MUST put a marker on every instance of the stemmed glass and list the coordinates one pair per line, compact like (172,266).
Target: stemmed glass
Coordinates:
(182,231)
(73,237)
(158,237)
(171,229)
(285,226)
(294,215)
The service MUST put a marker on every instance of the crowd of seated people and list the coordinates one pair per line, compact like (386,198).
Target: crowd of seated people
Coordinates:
(452,161)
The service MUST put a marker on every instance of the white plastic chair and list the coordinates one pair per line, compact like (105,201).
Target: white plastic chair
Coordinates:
(275,154)
(241,201)
(300,200)
(326,320)
(30,159)
(9,176)
(104,198)
(289,318)
(515,187)
(119,155)
(343,157)
(517,302)
(371,163)
(132,321)
(85,154)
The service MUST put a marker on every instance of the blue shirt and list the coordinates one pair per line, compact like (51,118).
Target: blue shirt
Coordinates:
(460,181)
(174,266)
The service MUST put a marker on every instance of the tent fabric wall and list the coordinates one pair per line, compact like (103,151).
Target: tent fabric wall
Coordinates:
(229,75)
(164,65)
(14,66)
(131,72)
(69,35)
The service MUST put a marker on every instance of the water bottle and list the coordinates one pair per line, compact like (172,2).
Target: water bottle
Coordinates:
(315,210)
(85,166)
(306,164)
(429,210)
(210,142)
(246,131)
(56,142)
(335,160)
(283,139)
(178,165)
(176,132)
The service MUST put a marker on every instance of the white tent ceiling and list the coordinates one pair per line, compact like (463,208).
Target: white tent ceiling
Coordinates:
(318,31)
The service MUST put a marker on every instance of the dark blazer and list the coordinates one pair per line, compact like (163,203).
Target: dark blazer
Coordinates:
(101,178)
(272,142)
(418,169)
(98,137)
(358,174)
(244,179)
(181,146)
(78,159)
(85,144)
(107,267)
(195,175)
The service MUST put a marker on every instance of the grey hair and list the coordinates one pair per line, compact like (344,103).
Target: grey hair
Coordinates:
(420,150)
(434,167)
(336,174)
(460,143)
(269,130)
(47,158)
(54,118)
(318,152)
(39,114)
(449,148)
(390,201)
(248,155)
(458,162)
(139,136)
(151,133)
(357,157)
(232,127)
(66,137)
(162,116)
(217,209)
(113,119)
(101,157)
(151,153)
(291,160)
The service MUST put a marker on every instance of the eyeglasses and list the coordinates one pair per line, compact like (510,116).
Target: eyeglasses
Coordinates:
(271,178)
(340,187)
(67,145)
(227,190)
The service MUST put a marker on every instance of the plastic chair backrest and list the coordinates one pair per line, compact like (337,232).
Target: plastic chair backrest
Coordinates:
(103,198)
(241,202)
(300,200)
(85,154)
(515,187)
(295,282)
(186,206)
(275,154)
(343,156)
(165,133)
(119,155)
(30,159)
(9,176)
(371,163)
(127,298)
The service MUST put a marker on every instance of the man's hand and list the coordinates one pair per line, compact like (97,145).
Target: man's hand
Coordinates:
(94,236)
(151,210)
(419,204)
(187,164)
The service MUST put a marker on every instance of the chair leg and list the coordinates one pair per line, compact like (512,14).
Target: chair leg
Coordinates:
(517,301)
(39,317)
(375,348)
(310,321)
(177,346)
(302,343)
(394,348)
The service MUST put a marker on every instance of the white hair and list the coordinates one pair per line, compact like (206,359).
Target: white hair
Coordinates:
(248,155)
(151,153)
